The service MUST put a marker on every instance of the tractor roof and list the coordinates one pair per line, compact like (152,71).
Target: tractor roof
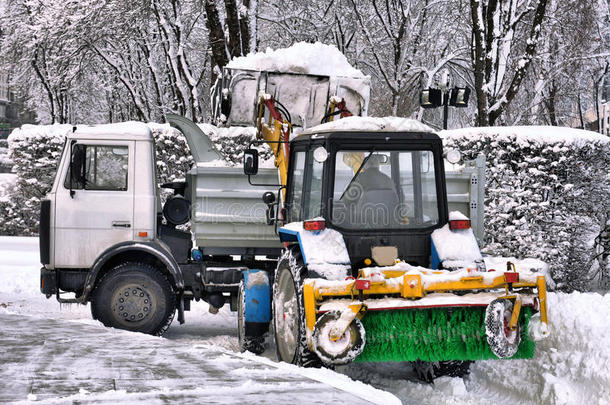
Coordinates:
(367,126)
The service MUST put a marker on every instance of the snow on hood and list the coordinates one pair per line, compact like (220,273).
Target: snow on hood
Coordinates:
(378,124)
(302,57)
(541,134)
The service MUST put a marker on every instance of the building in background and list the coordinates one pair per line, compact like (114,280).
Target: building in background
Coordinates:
(13,113)
(4,105)
(604,107)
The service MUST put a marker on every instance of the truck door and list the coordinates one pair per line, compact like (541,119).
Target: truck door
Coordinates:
(94,201)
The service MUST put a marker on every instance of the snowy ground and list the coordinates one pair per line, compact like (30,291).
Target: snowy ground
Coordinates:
(57,354)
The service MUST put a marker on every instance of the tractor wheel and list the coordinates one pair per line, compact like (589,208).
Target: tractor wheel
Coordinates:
(502,341)
(289,314)
(250,339)
(345,349)
(135,297)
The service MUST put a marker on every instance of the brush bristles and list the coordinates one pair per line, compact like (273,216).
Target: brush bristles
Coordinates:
(439,334)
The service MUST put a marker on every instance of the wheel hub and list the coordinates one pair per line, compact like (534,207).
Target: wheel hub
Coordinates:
(133,304)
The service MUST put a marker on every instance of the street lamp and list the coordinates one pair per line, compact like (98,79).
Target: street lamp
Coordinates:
(455,97)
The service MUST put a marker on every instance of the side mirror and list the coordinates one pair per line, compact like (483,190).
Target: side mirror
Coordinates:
(250,162)
(269,199)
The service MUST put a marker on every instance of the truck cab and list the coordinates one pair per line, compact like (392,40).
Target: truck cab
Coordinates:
(101,213)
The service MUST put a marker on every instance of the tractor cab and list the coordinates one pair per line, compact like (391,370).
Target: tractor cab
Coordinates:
(382,186)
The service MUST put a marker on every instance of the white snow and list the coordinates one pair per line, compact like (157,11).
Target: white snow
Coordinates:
(572,366)
(7,182)
(325,251)
(130,128)
(88,363)
(436,299)
(459,246)
(257,278)
(457,216)
(379,124)
(302,57)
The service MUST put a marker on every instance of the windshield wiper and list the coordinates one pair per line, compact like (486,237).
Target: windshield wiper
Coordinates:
(357,173)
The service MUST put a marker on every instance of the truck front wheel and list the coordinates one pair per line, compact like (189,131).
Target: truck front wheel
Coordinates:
(135,297)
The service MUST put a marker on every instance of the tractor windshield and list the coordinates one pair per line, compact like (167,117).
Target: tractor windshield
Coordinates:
(384,189)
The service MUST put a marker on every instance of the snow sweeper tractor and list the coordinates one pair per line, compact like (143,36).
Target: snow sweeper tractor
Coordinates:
(352,254)
(375,268)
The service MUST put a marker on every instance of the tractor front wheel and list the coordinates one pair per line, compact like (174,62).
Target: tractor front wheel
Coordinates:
(503,341)
(289,314)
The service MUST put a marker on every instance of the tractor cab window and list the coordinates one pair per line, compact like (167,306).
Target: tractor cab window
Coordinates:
(306,188)
(384,189)
(98,167)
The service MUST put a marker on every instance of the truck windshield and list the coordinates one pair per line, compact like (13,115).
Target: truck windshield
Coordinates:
(384,189)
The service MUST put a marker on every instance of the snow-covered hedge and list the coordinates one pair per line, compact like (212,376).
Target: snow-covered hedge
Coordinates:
(547,194)
(34,151)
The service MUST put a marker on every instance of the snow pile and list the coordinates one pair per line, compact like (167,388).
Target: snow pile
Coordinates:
(537,134)
(5,162)
(572,366)
(457,248)
(35,151)
(376,124)
(324,252)
(547,194)
(7,182)
(302,57)
(232,142)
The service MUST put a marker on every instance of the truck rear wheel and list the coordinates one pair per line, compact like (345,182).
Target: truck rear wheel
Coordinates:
(135,297)
(289,314)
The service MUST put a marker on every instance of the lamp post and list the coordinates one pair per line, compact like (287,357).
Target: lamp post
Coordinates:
(455,97)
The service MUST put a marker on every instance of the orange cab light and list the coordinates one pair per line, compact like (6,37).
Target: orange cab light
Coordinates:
(459,224)
(142,234)
(314,225)
(363,284)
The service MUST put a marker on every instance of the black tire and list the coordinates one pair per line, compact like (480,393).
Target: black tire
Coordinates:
(428,371)
(343,351)
(288,312)
(251,337)
(135,297)
(502,341)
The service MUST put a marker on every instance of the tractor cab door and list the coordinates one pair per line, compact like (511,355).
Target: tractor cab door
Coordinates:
(305,188)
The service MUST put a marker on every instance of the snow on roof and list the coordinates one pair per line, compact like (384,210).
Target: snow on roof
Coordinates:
(302,57)
(130,129)
(385,124)
(540,134)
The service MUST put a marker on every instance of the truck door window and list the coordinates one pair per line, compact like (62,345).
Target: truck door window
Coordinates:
(98,167)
